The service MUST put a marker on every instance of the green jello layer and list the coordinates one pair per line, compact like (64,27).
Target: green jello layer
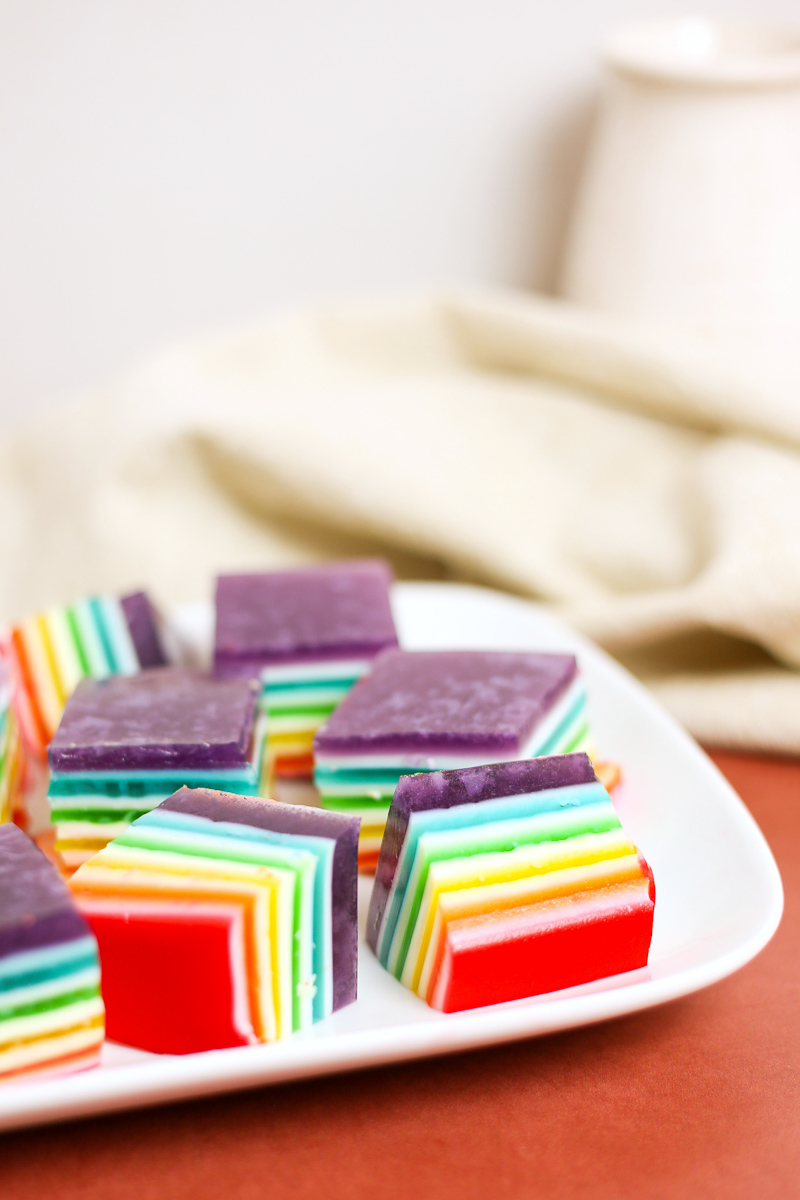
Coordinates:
(495,836)
(300,710)
(553,804)
(52,1002)
(577,740)
(371,812)
(98,816)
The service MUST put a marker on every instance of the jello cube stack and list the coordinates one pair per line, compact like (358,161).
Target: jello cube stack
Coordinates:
(438,710)
(506,881)
(50,652)
(308,635)
(51,1010)
(223,921)
(126,743)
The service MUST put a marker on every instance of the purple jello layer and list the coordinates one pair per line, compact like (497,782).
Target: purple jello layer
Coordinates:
(447,789)
(64,926)
(252,666)
(308,822)
(168,718)
(457,701)
(35,906)
(142,623)
(340,611)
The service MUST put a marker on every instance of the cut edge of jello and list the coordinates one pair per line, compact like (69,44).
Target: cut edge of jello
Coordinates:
(506,881)
(223,920)
(51,1006)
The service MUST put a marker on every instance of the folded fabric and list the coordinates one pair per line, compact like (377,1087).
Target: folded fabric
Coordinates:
(649,491)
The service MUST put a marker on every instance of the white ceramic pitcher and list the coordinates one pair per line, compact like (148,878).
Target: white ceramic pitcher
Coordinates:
(689,208)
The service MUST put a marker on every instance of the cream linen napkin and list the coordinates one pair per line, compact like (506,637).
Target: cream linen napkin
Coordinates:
(649,493)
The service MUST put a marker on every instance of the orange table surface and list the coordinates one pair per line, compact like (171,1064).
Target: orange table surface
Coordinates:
(698,1098)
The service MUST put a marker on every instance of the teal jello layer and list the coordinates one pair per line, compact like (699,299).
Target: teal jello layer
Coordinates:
(569,734)
(111,801)
(31,967)
(305,697)
(358,781)
(151,783)
(37,982)
(300,690)
(91,808)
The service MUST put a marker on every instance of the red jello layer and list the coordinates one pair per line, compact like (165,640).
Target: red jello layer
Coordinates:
(544,947)
(300,766)
(368,861)
(168,980)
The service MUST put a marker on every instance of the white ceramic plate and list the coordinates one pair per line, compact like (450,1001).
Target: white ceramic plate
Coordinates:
(719,895)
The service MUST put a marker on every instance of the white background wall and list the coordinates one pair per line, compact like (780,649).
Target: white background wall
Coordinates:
(169,167)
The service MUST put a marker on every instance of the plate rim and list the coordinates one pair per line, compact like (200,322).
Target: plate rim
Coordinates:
(166,1079)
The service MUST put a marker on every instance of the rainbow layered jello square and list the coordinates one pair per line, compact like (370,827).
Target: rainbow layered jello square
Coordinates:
(51,1010)
(308,635)
(438,710)
(223,921)
(125,743)
(50,652)
(505,881)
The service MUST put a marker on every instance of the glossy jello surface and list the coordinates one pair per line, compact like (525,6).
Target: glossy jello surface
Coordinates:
(340,611)
(458,700)
(159,719)
(33,896)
